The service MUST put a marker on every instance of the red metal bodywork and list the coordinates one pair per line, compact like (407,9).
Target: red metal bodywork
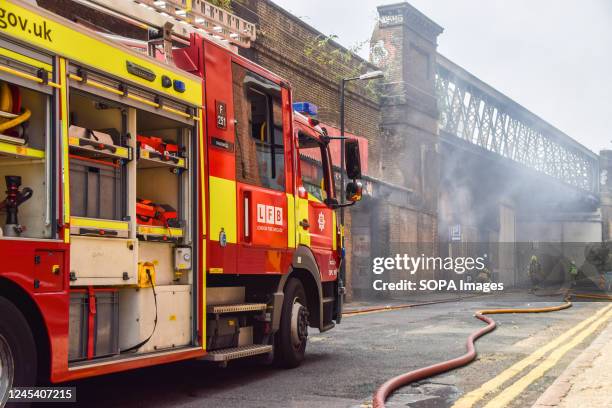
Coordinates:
(261,252)
(20,266)
(321,236)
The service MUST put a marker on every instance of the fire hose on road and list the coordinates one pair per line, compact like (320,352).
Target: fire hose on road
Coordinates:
(391,385)
(399,307)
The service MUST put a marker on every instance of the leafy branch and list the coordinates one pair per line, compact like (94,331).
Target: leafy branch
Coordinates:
(321,50)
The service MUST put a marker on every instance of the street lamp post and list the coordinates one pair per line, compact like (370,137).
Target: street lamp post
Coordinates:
(365,77)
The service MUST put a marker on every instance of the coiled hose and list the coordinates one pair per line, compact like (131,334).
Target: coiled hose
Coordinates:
(391,385)
(25,115)
(10,101)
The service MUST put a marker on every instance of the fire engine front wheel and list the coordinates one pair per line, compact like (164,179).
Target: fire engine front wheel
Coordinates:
(17,350)
(292,336)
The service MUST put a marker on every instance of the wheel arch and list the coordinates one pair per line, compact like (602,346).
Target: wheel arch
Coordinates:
(304,268)
(24,302)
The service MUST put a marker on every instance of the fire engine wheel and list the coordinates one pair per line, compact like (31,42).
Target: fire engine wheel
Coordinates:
(292,336)
(17,350)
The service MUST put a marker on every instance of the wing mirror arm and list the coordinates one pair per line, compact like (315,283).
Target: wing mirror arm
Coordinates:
(336,205)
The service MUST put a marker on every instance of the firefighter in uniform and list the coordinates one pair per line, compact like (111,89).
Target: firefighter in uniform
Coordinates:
(573,273)
(535,273)
(484,276)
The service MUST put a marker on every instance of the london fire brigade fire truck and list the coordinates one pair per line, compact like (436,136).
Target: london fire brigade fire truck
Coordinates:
(159,206)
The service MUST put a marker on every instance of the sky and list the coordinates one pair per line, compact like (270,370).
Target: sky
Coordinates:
(554,57)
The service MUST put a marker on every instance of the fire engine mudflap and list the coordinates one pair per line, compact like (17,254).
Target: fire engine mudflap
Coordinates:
(142,228)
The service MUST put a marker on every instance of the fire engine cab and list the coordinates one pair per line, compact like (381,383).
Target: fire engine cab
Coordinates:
(163,200)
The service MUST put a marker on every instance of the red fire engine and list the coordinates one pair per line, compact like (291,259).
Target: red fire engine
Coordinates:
(157,211)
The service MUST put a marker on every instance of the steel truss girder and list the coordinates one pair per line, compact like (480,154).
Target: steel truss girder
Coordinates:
(481,118)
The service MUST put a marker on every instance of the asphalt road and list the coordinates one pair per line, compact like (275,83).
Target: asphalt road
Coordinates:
(344,366)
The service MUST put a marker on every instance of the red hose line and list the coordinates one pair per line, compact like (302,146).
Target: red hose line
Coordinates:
(383,392)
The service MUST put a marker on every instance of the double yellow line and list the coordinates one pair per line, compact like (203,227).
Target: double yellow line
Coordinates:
(561,345)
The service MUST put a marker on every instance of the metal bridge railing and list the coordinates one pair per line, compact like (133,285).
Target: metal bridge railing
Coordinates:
(473,111)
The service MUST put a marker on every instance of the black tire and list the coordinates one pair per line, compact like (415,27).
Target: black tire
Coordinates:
(289,353)
(17,338)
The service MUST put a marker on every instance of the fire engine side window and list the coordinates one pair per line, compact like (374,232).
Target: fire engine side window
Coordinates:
(312,155)
(260,149)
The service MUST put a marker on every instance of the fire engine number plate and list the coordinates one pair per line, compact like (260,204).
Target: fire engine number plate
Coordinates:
(221,110)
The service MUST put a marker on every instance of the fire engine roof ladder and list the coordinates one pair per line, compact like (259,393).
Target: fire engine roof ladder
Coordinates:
(180,18)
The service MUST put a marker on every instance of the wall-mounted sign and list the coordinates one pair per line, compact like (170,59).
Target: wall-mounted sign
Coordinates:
(454,232)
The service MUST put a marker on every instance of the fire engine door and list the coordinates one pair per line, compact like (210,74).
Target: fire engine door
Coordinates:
(320,226)
(261,168)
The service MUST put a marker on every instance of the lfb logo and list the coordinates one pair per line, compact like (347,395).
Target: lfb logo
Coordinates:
(269,214)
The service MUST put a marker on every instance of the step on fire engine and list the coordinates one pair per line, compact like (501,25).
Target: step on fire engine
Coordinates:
(163,201)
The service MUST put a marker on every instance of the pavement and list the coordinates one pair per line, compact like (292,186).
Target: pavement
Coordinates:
(586,381)
(344,366)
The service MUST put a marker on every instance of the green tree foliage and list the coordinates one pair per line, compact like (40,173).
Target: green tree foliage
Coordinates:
(324,52)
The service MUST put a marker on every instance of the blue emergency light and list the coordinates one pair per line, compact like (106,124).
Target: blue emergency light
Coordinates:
(306,108)
(179,86)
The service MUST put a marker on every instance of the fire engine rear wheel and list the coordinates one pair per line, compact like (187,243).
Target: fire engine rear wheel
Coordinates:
(17,350)
(292,336)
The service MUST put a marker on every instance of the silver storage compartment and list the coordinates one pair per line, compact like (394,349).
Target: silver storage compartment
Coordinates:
(103,262)
(173,329)
(94,317)
(95,189)
(106,323)
(78,326)
(222,333)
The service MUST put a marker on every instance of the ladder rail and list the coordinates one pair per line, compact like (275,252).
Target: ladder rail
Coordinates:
(186,16)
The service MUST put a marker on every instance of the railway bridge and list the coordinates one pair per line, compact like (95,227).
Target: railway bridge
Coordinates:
(497,176)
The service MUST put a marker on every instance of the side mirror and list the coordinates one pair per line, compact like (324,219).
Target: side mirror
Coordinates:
(353,159)
(354,191)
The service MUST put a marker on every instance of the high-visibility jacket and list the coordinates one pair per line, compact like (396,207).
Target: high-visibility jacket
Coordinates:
(573,271)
